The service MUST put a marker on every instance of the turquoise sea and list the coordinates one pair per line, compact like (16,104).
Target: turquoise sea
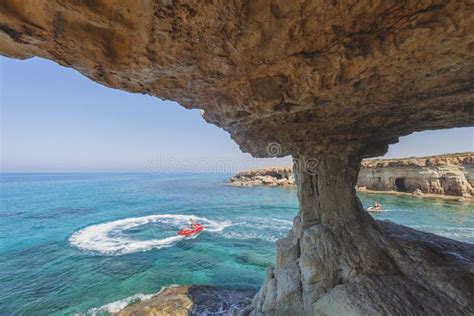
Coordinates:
(89,243)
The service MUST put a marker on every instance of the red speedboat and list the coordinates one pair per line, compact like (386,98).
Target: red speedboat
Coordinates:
(189,232)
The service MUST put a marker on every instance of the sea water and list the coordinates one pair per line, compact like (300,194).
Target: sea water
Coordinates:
(92,243)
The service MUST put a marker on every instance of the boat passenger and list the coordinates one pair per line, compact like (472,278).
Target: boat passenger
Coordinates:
(192,224)
(377,207)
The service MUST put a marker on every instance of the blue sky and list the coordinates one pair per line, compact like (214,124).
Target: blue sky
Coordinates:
(54,119)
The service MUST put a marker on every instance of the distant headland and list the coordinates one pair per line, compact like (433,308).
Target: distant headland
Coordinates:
(450,175)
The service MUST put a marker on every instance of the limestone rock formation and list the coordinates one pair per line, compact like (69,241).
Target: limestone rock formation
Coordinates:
(329,82)
(451,174)
(191,300)
(282,176)
(337,260)
(313,76)
(396,291)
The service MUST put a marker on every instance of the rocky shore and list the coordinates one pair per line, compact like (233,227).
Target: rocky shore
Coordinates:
(191,300)
(448,175)
(279,176)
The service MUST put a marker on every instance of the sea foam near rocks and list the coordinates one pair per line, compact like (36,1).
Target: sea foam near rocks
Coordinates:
(117,306)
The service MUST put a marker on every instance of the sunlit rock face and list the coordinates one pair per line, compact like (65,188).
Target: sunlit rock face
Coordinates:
(311,75)
(445,174)
(329,82)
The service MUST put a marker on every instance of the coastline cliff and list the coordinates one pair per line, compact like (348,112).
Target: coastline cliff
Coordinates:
(450,174)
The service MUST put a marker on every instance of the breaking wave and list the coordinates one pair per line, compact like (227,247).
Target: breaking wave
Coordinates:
(108,238)
(117,306)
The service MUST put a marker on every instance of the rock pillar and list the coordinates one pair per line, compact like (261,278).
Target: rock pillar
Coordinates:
(336,260)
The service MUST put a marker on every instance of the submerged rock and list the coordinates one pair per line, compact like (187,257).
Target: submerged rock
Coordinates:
(191,300)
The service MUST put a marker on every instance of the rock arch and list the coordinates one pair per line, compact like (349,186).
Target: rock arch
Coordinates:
(330,82)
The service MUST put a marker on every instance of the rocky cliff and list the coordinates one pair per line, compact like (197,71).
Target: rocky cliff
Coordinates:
(451,174)
(328,82)
(447,174)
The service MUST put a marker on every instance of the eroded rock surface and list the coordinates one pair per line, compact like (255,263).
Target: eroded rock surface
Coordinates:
(337,260)
(191,300)
(450,261)
(329,82)
(449,174)
(311,75)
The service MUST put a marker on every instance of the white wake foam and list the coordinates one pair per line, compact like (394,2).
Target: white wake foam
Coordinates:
(107,238)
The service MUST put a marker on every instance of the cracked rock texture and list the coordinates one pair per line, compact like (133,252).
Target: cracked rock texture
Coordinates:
(329,82)
(311,75)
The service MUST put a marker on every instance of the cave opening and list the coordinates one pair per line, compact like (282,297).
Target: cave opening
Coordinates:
(400,184)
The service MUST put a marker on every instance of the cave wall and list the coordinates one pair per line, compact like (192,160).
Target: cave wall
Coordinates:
(311,76)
